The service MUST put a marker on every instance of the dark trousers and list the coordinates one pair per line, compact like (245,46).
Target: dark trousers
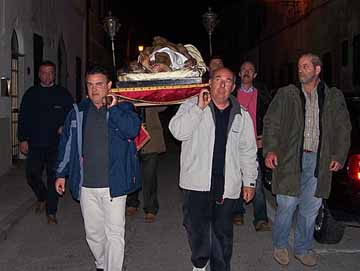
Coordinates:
(39,159)
(259,201)
(149,166)
(209,229)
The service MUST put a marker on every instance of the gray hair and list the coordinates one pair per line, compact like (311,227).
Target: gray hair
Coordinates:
(315,59)
(212,75)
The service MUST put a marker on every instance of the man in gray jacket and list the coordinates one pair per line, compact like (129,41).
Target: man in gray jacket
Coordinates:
(306,137)
(218,158)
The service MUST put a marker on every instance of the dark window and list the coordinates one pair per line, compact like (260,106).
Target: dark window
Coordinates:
(272,78)
(78,80)
(38,55)
(344,53)
(327,68)
(290,73)
(106,7)
(282,76)
(356,60)
(60,64)
(14,46)
(100,9)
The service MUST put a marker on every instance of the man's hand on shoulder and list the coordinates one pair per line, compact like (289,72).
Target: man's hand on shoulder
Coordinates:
(204,98)
(110,100)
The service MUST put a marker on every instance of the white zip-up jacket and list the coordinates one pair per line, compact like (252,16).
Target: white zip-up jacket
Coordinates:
(196,129)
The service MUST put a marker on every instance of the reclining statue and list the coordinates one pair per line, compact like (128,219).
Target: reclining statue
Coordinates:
(165,56)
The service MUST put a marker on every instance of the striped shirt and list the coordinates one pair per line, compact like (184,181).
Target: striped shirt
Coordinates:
(311,131)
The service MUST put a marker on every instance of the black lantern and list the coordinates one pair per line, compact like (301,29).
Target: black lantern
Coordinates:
(210,20)
(111,25)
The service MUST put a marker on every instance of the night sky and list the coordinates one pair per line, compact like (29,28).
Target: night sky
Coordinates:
(178,21)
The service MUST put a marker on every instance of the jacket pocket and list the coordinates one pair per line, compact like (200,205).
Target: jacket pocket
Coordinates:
(132,174)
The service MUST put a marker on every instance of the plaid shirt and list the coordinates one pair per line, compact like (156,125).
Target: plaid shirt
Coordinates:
(311,131)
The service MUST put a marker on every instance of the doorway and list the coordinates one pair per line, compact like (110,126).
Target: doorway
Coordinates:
(38,56)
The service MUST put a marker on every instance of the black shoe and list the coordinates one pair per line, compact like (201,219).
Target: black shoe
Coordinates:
(99,269)
(262,226)
(238,220)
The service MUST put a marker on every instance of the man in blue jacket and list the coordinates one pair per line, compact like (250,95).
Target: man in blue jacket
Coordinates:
(98,155)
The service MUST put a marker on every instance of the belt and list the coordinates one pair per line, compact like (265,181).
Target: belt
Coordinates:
(307,151)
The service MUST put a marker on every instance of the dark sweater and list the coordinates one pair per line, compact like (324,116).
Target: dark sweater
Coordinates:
(221,124)
(43,110)
(96,148)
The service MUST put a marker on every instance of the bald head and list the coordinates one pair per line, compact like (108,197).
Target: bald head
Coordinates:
(221,70)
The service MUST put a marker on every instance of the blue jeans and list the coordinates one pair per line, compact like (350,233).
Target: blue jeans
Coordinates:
(259,201)
(308,206)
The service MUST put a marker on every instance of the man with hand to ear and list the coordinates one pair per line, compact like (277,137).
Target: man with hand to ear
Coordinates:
(217,138)
(98,155)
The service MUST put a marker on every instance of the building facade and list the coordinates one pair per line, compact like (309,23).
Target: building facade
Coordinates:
(68,32)
(30,32)
(329,28)
(98,45)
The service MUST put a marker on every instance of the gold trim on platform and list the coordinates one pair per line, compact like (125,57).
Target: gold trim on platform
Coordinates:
(139,102)
(180,87)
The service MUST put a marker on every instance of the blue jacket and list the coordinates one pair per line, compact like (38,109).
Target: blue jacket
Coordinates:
(124,169)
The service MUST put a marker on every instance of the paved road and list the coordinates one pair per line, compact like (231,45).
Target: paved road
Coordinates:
(161,246)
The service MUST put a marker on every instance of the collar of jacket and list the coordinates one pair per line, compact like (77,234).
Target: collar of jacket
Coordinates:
(321,88)
(236,109)
(84,104)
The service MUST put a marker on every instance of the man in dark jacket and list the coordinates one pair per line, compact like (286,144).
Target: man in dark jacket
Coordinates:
(149,160)
(255,99)
(306,138)
(98,155)
(42,114)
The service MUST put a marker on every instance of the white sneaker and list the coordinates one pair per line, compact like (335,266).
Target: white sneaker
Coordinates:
(200,269)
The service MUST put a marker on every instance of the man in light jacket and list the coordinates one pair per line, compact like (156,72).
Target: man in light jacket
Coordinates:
(218,158)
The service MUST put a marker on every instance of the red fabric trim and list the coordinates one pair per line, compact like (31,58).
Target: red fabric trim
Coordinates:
(159,94)
(142,138)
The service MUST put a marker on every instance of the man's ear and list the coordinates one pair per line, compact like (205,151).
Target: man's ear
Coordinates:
(109,84)
(317,69)
(233,87)
(255,74)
